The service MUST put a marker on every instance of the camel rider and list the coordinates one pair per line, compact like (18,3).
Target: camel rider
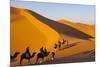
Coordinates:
(42,50)
(59,42)
(28,52)
(45,50)
(59,45)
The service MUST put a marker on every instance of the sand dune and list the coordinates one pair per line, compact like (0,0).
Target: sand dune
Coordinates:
(29,28)
(86,28)
(26,30)
(61,28)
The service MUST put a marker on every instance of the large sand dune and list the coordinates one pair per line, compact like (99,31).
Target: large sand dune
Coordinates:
(62,28)
(26,31)
(29,28)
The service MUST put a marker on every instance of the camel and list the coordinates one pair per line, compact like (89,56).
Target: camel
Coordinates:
(63,41)
(53,55)
(14,56)
(42,55)
(27,55)
(59,44)
(55,46)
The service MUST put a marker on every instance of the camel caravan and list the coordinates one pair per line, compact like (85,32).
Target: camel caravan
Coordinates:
(43,53)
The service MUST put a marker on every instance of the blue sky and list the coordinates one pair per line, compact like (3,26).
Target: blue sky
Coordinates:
(56,11)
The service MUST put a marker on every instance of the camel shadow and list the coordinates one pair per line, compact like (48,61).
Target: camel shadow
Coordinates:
(69,45)
(90,53)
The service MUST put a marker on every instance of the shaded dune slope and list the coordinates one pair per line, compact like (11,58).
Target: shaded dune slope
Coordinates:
(86,28)
(61,28)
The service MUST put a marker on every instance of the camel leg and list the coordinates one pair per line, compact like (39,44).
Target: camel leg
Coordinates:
(29,61)
(52,58)
(21,60)
(42,60)
(37,60)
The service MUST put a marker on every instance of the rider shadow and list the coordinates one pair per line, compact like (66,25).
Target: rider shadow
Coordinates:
(69,45)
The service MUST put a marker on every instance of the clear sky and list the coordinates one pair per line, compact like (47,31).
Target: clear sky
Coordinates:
(56,11)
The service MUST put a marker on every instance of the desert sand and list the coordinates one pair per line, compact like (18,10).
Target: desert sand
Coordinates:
(29,28)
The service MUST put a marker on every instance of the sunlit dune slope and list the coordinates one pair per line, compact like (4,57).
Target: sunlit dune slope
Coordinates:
(86,28)
(26,30)
(62,28)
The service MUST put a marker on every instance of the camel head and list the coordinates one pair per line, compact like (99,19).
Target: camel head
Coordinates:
(48,53)
(33,54)
(16,53)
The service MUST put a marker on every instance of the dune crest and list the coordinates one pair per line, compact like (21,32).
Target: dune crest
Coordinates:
(86,28)
(61,28)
